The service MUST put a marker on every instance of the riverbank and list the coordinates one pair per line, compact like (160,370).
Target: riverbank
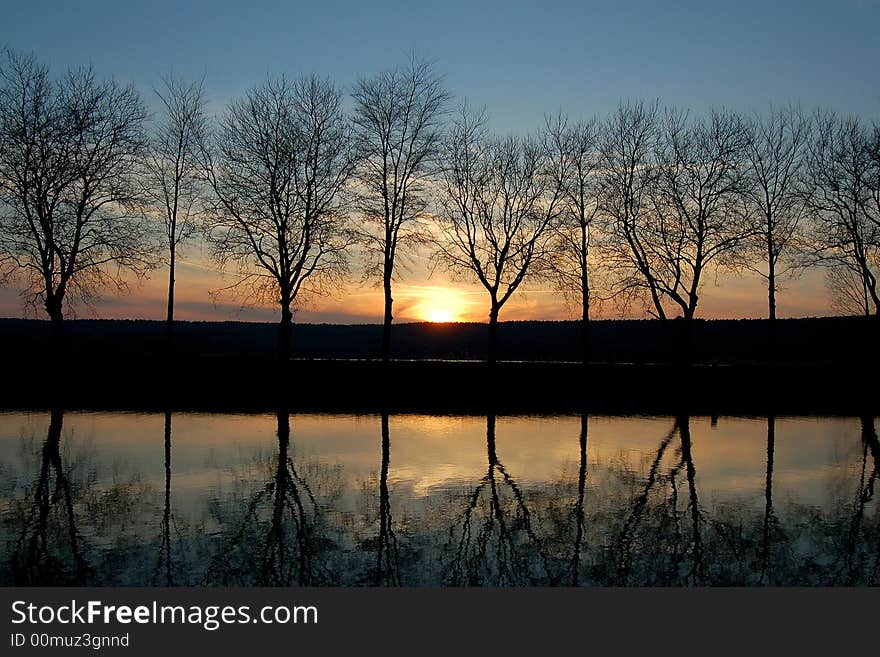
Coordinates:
(820,366)
(466,387)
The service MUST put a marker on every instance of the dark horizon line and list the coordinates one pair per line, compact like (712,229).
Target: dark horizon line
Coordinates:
(427,322)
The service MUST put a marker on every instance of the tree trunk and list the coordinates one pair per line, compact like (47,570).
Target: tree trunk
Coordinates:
(492,351)
(586,346)
(871,284)
(771,303)
(687,339)
(56,321)
(386,323)
(169,317)
(285,331)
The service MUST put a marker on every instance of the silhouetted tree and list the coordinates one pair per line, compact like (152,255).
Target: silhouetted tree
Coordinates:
(845,184)
(397,119)
(174,175)
(67,182)
(687,216)
(775,151)
(848,287)
(278,166)
(573,151)
(498,206)
(627,148)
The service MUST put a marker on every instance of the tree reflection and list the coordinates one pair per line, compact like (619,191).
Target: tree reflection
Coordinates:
(698,571)
(579,505)
(287,560)
(279,550)
(49,550)
(662,546)
(769,519)
(497,546)
(854,568)
(387,559)
(164,558)
(74,516)
(625,541)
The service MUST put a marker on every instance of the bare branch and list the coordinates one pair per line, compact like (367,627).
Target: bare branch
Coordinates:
(278,167)
(68,183)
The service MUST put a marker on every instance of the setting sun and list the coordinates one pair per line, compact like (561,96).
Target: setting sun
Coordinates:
(440,315)
(438,304)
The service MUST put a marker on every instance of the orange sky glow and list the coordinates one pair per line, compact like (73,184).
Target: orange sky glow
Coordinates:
(418,296)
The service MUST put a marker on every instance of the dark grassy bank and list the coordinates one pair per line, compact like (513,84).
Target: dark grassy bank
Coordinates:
(825,340)
(231,367)
(448,387)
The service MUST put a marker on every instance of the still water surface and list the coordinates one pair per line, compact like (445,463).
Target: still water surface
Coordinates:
(219,499)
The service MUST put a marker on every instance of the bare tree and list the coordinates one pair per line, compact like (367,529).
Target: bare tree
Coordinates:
(872,202)
(278,167)
(397,118)
(692,219)
(627,149)
(848,287)
(174,175)
(775,152)
(843,166)
(497,210)
(67,163)
(573,150)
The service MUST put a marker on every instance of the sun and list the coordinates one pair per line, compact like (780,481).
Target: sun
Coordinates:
(439,315)
(438,304)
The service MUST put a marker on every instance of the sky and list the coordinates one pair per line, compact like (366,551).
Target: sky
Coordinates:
(519,60)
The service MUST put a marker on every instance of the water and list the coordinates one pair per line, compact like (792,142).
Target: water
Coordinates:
(220,499)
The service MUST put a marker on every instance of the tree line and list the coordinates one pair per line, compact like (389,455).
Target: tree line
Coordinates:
(295,183)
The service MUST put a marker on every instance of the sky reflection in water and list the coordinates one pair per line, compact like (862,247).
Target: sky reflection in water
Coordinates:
(87,498)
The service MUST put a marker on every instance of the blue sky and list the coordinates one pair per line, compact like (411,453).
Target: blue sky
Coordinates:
(519,59)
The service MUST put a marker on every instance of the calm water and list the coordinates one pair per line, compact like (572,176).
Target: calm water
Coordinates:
(205,499)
